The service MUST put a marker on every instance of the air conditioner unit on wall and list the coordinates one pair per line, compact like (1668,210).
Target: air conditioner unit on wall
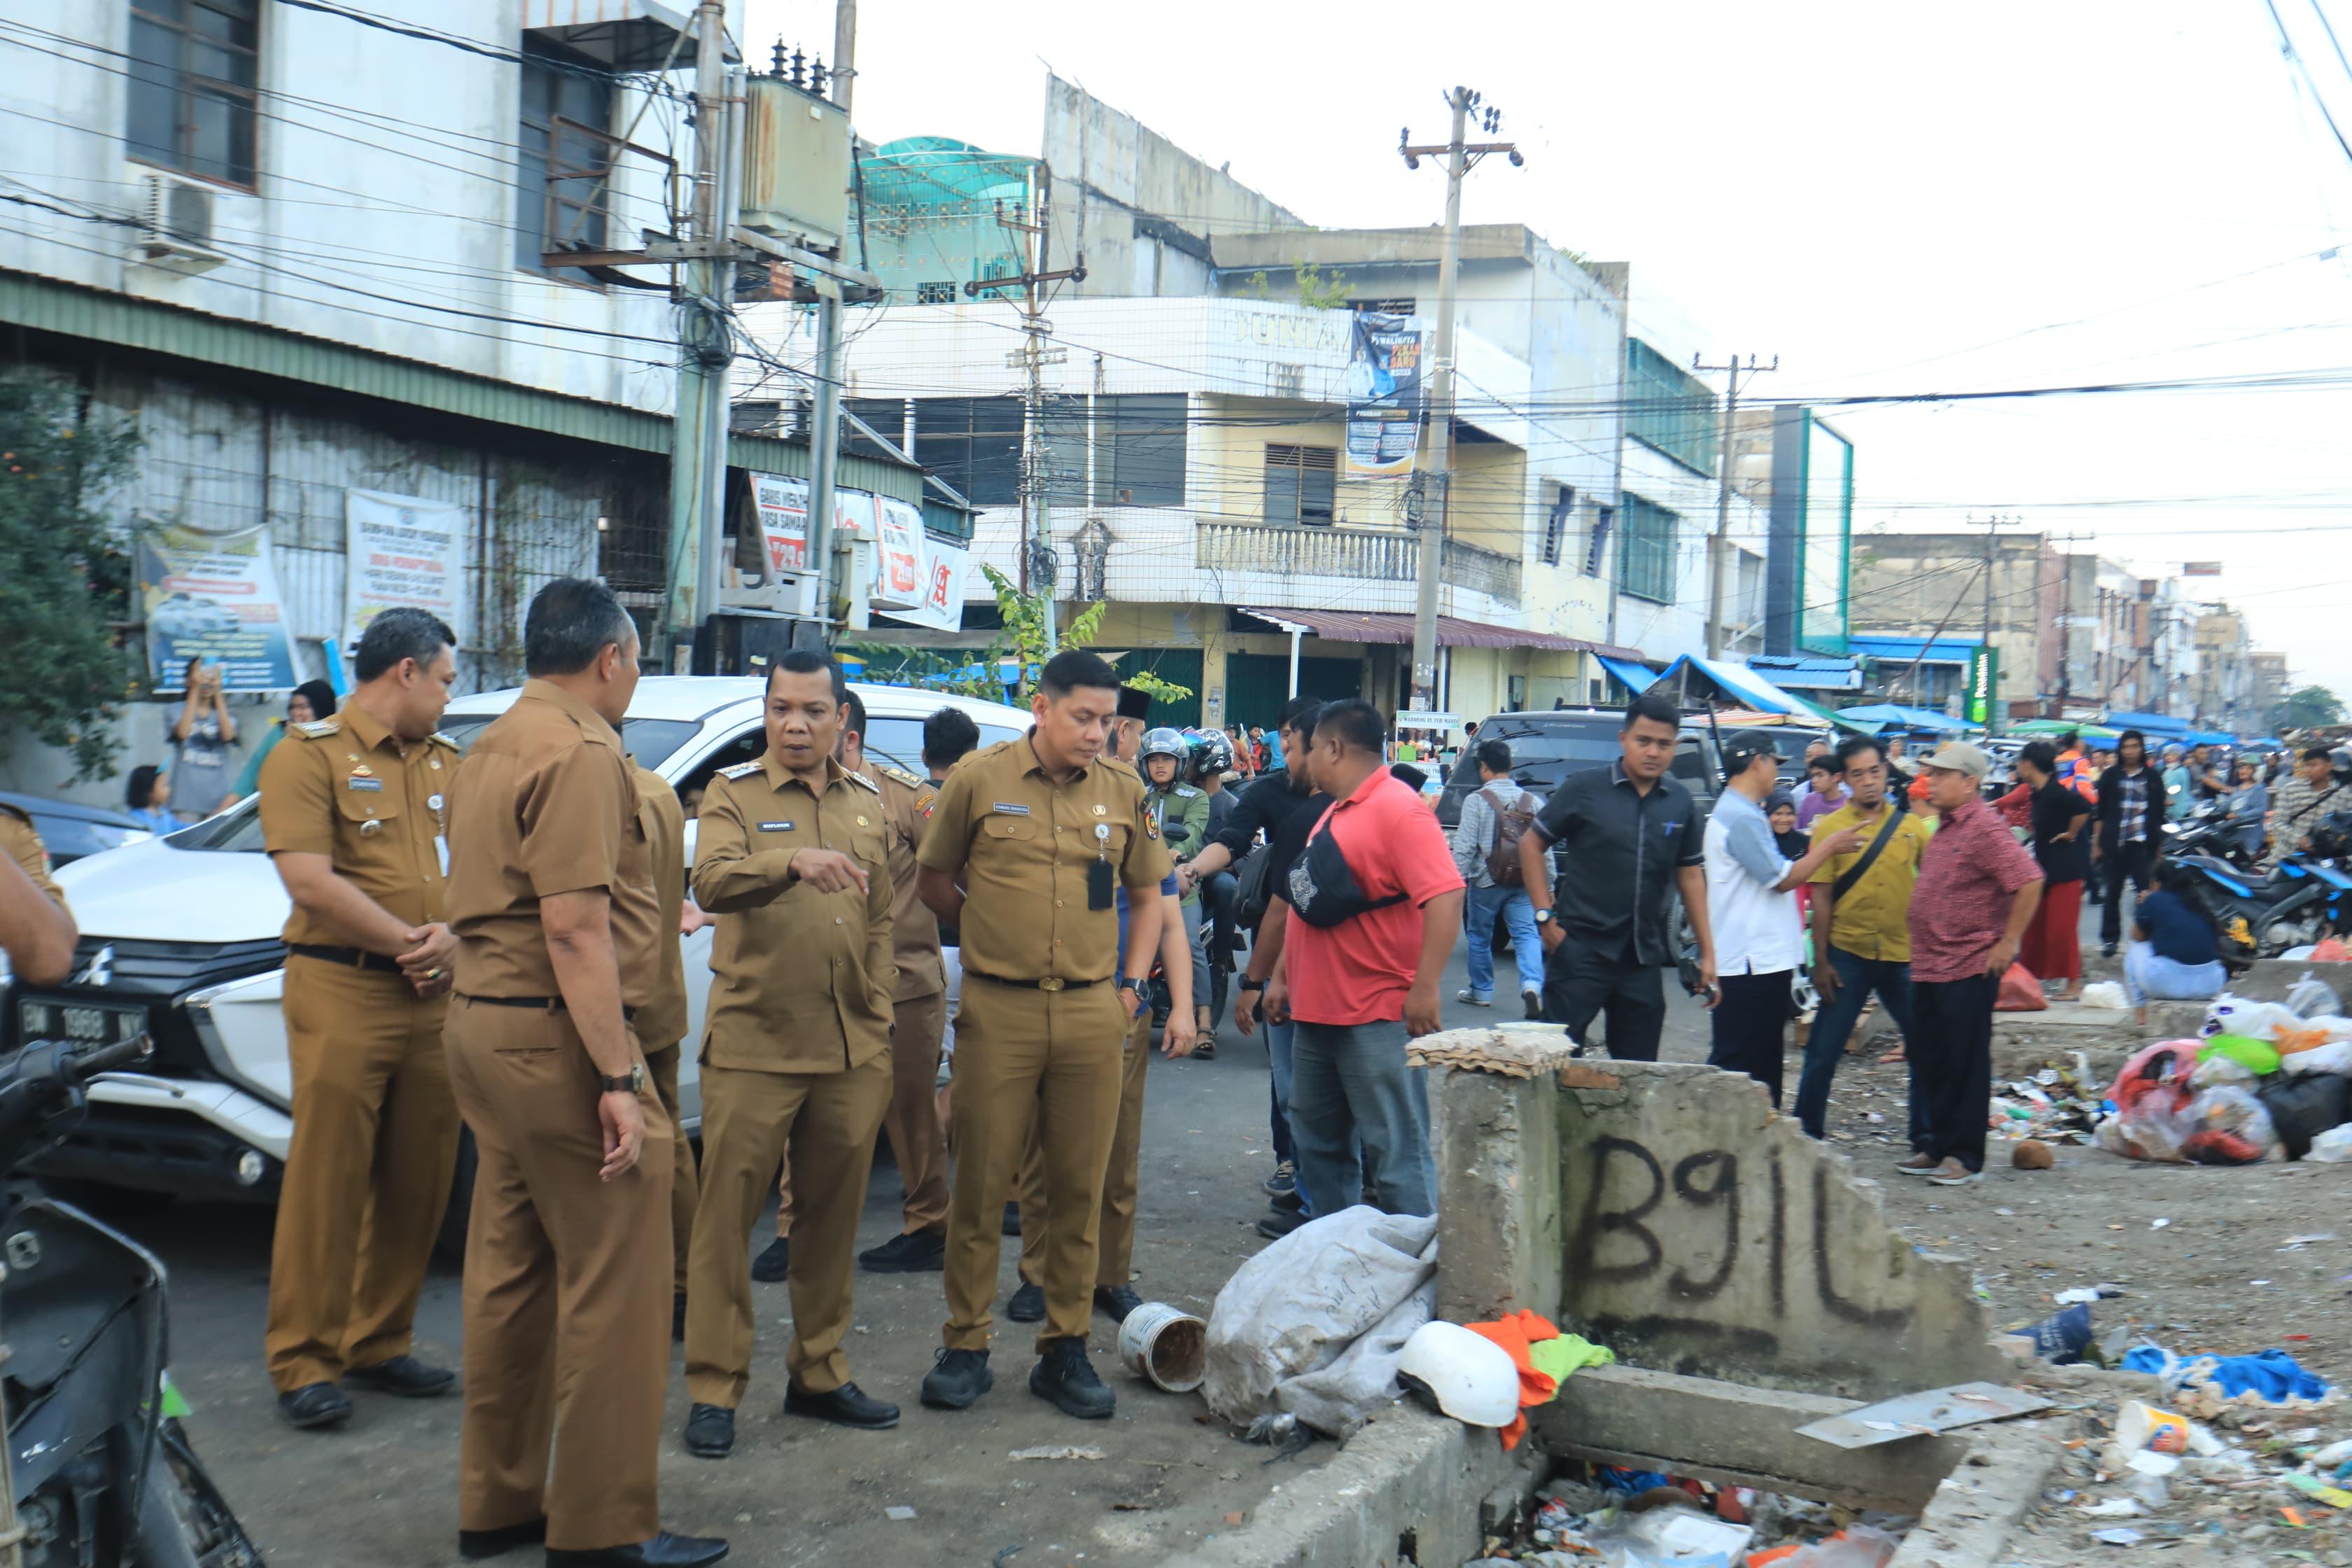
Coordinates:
(175,225)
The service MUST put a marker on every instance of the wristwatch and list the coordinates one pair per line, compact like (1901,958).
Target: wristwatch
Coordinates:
(629,1082)
(1129,982)
(1543,917)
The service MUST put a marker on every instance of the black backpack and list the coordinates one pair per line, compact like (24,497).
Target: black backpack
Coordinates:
(1323,888)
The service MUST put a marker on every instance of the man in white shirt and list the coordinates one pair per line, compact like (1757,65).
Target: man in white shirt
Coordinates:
(1750,893)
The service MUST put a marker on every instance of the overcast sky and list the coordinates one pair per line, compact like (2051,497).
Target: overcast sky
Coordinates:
(1893,199)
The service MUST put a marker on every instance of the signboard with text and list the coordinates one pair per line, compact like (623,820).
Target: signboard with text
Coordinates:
(401,552)
(1383,394)
(214,596)
(1984,685)
(899,562)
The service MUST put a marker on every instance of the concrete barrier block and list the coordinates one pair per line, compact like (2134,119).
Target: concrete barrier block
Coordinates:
(1499,1173)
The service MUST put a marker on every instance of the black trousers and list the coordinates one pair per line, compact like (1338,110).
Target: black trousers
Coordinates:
(1952,1064)
(2135,860)
(1752,1027)
(1582,981)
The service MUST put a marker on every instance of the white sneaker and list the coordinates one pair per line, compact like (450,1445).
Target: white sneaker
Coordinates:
(1466,994)
(1952,1174)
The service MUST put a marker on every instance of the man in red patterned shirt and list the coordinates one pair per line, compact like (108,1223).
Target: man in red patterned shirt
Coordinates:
(1976,893)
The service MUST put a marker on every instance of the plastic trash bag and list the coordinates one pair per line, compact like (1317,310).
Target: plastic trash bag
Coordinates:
(2020,991)
(2311,996)
(2305,1106)
(2256,1020)
(1313,1325)
(2259,1058)
(2332,1057)
(2105,993)
(2223,1067)
(2227,1126)
(2152,1095)
(2333,1147)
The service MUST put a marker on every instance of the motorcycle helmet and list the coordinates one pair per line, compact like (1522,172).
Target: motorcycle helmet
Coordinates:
(1162,742)
(1466,1377)
(1212,754)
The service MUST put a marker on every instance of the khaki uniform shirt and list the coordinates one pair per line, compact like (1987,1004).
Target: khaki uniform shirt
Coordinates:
(1874,919)
(653,966)
(21,844)
(544,805)
(800,980)
(375,805)
(907,804)
(1023,844)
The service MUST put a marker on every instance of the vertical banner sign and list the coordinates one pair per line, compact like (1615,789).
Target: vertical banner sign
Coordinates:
(899,574)
(401,552)
(1383,394)
(1984,684)
(783,504)
(942,570)
(214,596)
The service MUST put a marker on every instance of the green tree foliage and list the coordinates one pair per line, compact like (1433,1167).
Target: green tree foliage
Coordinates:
(1023,639)
(65,572)
(1314,289)
(2307,707)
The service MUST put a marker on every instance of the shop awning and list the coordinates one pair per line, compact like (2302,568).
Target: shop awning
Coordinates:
(1807,672)
(1384,626)
(1731,682)
(2147,723)
(1944,650)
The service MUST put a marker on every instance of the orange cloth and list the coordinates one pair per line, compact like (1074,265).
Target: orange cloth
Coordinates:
(1515,1333)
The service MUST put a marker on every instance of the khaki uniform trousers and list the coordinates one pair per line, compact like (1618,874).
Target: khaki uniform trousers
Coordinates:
(1115,1249)
(567,1321)
(367,1177)
(918,1139)
(828,1121)
(661,1071)
(1041,1060)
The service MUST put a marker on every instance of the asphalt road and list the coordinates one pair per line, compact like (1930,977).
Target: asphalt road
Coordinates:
(381,1492)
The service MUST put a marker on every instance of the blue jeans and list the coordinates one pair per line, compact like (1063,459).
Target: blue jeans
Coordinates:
(1833,1021)
(1349,1083)
(2146,975)
(1526,946)
(1277,1057)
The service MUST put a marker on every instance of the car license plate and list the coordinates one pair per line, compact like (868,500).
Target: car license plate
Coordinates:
(82,1023)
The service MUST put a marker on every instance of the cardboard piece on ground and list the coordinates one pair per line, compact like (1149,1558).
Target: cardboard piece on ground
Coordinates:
(1926,1414)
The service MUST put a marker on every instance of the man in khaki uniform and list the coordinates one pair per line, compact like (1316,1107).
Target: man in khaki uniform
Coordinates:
(648,918)
(566,1352)
(1029,840)
(795,1052)
(918,1141)
(353,812)
(36,929)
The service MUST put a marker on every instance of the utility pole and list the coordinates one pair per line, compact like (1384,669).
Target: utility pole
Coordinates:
(1038,563)
(698,468)
(1719,548)
(1438,434)
(824,416)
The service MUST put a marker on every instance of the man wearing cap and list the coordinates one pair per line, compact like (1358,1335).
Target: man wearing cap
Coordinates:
(1976,893)
(1751,893)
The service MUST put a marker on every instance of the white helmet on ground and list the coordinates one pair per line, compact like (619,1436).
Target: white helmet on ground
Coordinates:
(1469,1377)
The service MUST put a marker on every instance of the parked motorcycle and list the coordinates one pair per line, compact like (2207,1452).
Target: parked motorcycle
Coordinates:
(2304,898)
(98,1469)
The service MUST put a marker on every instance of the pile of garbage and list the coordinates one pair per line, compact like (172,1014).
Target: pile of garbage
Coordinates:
(1602,1516)
(2263,1080)
(2060,1104)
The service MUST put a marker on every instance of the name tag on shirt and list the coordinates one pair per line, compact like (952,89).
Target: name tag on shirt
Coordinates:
(775,827)
(370,785)
(441,848)
(1009,809)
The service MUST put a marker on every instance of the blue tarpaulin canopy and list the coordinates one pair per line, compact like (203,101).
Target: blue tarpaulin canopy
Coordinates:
(2147,723)
(1636,677)
(1730,681)
(1902,718)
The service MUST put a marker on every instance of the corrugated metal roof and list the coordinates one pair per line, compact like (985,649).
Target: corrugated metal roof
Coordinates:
(46,305)
(1383,626)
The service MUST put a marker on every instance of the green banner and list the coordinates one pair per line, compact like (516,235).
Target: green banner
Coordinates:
(1984,685)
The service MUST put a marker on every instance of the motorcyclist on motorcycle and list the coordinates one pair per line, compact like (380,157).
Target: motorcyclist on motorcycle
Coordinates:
(1181,811)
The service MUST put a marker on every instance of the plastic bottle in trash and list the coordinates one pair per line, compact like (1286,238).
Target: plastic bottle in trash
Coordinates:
(2333,1147)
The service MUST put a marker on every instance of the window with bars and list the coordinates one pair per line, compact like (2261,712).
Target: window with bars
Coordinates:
(1646,542)
(563,160)
(1556,525)
(1139,451)
(1668,409)
(1301,484)
(972,443)
(193,68)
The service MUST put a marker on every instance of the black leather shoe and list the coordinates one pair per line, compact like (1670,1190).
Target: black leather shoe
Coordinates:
(1012,1226)
(315,1404)
(1275,1226)
(775,1263)
(664,1550)
(957,1379)
(1064,1376)
(917,1252)
(1028,1304)
(677,1318)
(1118,1301)
(476,1545)
(1291,1201)
(403,1375)
(710,1431)
(847,1406)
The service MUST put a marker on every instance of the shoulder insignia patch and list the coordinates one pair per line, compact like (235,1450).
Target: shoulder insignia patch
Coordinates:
(439,739)
(319,729)
(924,801)
(741,770)
(902,776)
(1186,791)
(862,782)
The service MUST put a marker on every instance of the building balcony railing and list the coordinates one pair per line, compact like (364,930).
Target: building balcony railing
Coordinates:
(1364,554)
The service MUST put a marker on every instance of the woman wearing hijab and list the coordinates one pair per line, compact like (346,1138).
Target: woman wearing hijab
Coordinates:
(310,701)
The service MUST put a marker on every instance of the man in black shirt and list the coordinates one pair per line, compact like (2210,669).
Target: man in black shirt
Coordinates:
(1629,836)
(2132,805)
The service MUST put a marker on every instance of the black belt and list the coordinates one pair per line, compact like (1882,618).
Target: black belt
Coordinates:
(543,1004)
(1050,982)
(351,957)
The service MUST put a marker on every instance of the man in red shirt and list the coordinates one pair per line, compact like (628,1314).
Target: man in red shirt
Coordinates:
(1976,893)
(1374,904)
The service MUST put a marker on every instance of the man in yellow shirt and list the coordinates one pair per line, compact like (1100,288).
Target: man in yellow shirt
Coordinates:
(1862,932)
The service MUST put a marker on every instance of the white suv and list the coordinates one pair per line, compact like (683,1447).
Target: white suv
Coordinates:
(180,938)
